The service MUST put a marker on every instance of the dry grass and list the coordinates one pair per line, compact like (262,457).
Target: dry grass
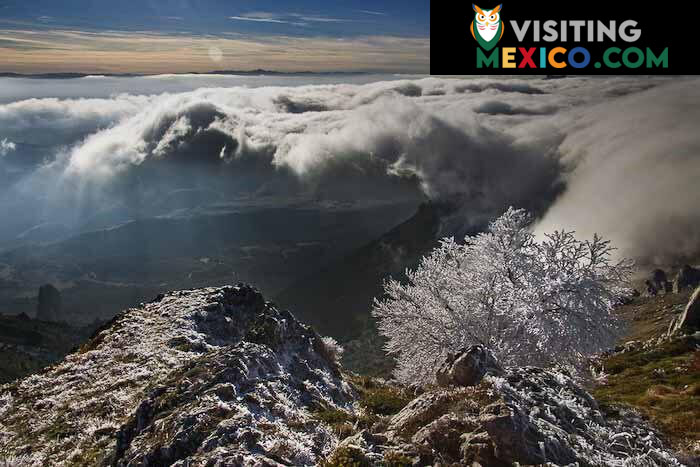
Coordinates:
(662,383)
(649,317)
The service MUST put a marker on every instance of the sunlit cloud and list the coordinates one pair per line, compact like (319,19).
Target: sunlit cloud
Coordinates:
(557,147)
(32,51)
(288,18)
(371,12)
(260,17)
(320,18)
(6,147)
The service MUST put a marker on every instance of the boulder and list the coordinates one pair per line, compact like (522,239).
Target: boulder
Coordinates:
(445,434)
(657,283)
(526,416)
(631,346)
(420,411)
(688,277)
(468,367)
(546,418)
(364,446)
(516,436)
(690,319)
(49,303)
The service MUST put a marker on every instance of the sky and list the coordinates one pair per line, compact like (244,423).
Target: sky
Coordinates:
(175,36)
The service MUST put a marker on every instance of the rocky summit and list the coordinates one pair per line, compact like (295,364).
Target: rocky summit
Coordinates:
(214,376)
(220,377)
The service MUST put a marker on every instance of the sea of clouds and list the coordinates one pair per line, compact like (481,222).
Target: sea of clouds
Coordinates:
(617,156)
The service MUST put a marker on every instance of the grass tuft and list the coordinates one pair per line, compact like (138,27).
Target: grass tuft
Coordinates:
(663,384)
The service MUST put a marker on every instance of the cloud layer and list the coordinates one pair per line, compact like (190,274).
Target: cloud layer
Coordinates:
(614,156)
(634,167)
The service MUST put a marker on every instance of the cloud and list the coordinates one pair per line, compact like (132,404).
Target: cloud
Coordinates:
(320,18)
(52,121)
(262,17)
(6,147)
(633,170)
(287,18)
(304,128)
(504,108)
(387,139)
(371,12)
(617,156)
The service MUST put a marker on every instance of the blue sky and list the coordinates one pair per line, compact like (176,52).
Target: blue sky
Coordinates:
(218,31)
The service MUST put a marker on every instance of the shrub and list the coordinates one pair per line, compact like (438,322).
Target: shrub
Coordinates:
(384,400)
(397,459)
(531,302)
(347,456)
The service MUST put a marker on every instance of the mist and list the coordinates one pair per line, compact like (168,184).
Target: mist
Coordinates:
(632,171)
(617,156)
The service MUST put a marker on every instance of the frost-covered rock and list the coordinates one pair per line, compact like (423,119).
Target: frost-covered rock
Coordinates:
(547,417)
(421,411)
(526,416)
(219,377)
(690,319)
(467,367)
(212,376)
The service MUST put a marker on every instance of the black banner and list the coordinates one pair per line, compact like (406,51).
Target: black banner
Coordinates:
(552,38)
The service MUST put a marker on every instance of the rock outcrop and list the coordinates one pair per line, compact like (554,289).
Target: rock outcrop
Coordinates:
(690,318)
(688,277)
(527,416)
(468,367)
(212,376)
(220,377)
(657,283)
(49,303)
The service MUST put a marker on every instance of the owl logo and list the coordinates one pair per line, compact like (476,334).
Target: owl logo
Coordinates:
(487,27)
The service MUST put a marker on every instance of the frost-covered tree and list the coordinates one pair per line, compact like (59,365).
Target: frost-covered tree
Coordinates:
(531,302)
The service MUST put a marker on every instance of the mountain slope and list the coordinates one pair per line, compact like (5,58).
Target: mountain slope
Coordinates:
(214,374)
(100,272)
(656,373)
(337,300)
(218,376)
(27,345)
